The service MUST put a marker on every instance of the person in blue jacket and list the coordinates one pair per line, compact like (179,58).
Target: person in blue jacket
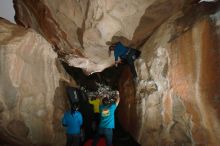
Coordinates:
(72,120)
(107,120)
(122,53)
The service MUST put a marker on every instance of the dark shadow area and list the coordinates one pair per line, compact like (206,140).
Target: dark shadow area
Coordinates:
(109,77)
(121,137)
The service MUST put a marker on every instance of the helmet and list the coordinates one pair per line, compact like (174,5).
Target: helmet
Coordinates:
(106,101)
(75,106)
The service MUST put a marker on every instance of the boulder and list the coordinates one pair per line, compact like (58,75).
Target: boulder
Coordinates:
(81,29)
(31,78)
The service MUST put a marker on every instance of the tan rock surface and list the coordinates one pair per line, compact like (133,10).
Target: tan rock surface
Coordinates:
(182,58)
(176,100)
(29,77)
(80,29)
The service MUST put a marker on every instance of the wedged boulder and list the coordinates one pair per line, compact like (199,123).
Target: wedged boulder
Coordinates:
(80,29)
(31,83)
(182,59)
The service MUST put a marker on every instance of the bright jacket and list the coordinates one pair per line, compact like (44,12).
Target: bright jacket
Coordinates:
(95,104)
(72,122)
(120,51)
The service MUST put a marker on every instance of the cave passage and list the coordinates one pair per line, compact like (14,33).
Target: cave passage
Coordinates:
(174,101)
(97,84)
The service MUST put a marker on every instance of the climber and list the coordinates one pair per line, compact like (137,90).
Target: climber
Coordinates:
(107,120)
(95,101)
(72,120)
(122,53)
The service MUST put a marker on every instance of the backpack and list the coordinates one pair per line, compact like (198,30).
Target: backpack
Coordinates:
(133,53)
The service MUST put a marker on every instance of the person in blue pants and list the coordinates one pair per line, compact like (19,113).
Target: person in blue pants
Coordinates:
(72,120)
(122,53)
(107,120)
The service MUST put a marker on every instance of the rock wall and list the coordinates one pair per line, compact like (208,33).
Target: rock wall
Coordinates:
(31,85)
(176,100)
(81,29)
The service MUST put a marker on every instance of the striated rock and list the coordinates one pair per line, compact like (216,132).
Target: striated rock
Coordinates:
(151,87)
(182,58)
(1,107)
(29,76)
(80,29)
(18,128)
(176,99)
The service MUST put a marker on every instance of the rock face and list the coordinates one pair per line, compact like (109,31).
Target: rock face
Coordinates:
(176,101)
(80,29)
(30,84)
